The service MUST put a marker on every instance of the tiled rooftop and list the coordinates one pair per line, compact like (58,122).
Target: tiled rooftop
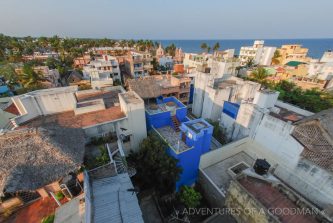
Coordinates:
(287,115)
(271,197)
(70,120)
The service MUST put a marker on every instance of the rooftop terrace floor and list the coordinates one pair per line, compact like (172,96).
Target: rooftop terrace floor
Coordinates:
(70,120)
(272,198)
(173,138)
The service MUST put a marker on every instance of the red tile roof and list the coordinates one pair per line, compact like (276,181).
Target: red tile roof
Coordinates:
(272,198)
(12,109)
(70,120)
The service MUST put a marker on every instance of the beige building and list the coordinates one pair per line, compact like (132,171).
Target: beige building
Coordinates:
(138,64)
(293,52)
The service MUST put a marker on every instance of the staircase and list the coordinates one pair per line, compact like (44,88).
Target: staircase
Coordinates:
(175,123)
(121,164)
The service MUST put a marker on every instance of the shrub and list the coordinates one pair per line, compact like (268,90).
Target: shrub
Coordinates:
(190,197)
(48,219)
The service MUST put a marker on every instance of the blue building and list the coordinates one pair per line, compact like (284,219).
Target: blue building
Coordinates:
(187,139)
(230,109)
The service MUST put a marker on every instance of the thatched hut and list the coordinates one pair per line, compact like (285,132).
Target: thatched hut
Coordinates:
(33,158)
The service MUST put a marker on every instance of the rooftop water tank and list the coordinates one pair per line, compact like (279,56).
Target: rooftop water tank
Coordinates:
(261,166)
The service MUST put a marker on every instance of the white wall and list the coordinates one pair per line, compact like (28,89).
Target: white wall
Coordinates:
(136,120)
(274,134)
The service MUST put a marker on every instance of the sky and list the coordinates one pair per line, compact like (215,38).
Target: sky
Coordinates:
(168,19)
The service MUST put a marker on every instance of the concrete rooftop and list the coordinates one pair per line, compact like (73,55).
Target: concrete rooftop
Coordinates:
(173,138)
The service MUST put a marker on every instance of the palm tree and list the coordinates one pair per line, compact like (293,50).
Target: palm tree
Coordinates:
(208,49)
(250,62)
(260,74)
(204,46)
(30,78)
(216,47)
(275,59)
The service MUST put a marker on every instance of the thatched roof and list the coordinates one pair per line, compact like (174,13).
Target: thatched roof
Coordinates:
(32,158)
(146,87)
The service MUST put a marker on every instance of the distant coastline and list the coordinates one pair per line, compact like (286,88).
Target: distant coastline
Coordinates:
(316,46)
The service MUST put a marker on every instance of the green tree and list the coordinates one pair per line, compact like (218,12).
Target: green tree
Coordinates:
(190,197)
(250,63)
(218,132)
(204,46)
(8,72)
(216,46)
(260,74)
(276,57)
(154,167)
(171,49)
(29,78)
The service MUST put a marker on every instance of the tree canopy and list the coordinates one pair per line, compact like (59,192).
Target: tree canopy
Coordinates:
(155,168)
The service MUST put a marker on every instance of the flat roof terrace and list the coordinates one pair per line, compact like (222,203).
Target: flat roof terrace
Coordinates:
(70,120)
(110,97)
(172,138)
(272,198)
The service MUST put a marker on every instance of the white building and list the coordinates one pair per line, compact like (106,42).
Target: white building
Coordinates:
(320,70)
(296,143)
(210,94)
(166,61)
(102,71)
(327,57)
(97,112)
(259,53)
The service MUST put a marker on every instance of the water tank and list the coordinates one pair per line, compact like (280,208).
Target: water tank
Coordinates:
(261,166)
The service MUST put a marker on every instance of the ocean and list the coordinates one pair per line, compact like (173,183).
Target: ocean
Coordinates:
(316,46)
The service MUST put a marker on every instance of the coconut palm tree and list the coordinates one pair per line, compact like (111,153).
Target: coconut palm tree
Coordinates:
(275,59)
(204,46)
(250,63)
(30,78)
(260,74)
(216,46)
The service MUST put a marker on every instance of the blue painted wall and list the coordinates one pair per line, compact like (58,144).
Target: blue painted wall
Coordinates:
(231,109)
(198,141)
(189,160)
(190,101)
(164,118)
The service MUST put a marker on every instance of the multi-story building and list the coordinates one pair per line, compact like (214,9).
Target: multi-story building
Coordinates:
(293,52)
(80,62)
(138,64)
(167,62)
(97,112)
(327,57)
(186,139)
(258,53)
(102,72)
(162,85)
(221,64)
(210,96)
(297,147)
